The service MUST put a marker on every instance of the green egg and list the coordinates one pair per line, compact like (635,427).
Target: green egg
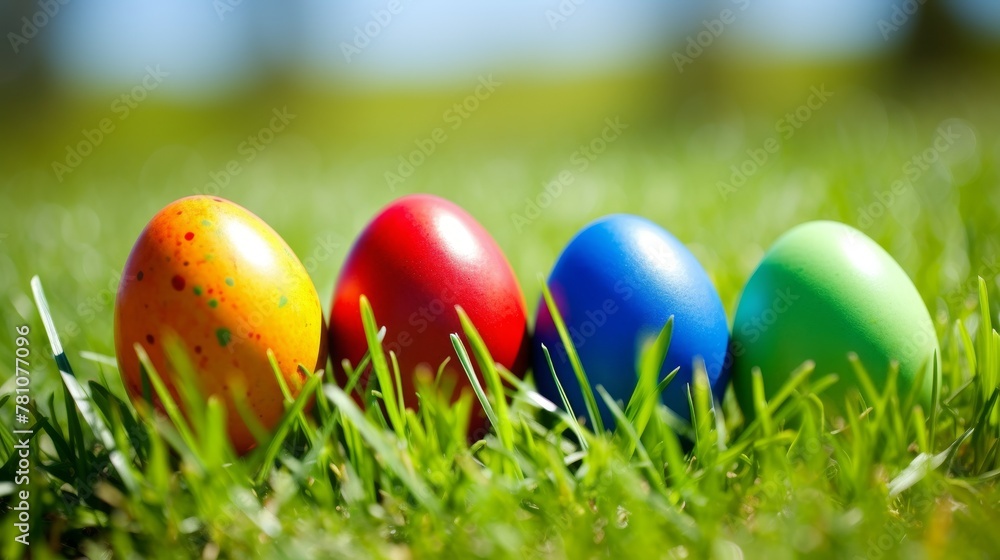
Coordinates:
(822,291)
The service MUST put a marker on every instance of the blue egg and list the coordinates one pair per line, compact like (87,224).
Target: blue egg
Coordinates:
(616,284)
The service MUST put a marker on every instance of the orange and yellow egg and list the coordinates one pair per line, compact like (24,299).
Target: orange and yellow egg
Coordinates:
(220,279)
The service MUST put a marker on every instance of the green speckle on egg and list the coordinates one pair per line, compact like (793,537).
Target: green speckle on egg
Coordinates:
(821,292)
(188,258)
(282,301)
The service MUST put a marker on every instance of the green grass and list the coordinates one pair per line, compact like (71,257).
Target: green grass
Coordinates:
(888,480)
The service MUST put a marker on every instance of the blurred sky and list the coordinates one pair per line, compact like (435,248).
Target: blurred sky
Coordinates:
(370,81)
(214,49)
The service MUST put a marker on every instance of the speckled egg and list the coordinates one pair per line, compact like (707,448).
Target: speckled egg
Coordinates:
(415,261)
(616,284)
(217,276)
(823,290)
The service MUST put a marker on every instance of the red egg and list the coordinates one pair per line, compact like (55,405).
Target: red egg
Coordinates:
(419,258)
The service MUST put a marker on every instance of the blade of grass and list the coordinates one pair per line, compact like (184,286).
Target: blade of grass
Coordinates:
(89,412)
(76,440)
(238,396)
(572,421)
(632,440)
(286,392)
(386,451)
(477,387)
(574,359)
(113,408)
(381,368)
(504,426)
(78,396)
(647,391)
(797,378)
(922,465)
(986,350)
(354,374)
(169,406)
(935,403)
(291,416)
(399,384)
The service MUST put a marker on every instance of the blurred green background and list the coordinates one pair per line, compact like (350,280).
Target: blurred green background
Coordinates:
(725,121)
(112,109)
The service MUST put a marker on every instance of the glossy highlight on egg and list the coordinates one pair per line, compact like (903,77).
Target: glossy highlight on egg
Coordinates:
(415,261)
(616,283)
(213,274)
(822,291)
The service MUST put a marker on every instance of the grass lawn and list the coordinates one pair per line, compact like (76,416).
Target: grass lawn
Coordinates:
(113,481)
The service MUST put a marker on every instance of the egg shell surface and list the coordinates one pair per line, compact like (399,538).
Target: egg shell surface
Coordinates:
(212,273)
(823,290)
(616,284)
(415,261)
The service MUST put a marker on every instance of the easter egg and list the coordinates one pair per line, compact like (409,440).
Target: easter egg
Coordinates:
(616,284)
(415,261)
(822,291)
(220,279)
